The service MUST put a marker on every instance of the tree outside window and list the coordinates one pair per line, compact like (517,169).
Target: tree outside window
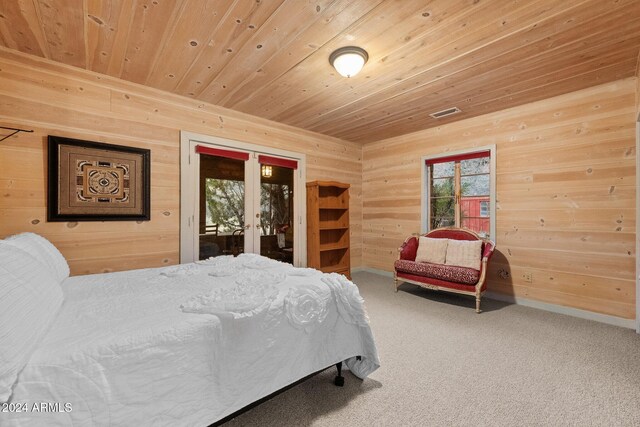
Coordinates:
(225,204)
(275,207)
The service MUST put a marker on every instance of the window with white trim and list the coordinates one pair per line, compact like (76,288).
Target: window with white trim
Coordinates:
(458,192)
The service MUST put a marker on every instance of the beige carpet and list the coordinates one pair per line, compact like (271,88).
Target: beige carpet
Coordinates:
(445,365)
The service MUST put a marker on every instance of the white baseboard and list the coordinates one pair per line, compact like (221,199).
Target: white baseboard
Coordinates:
(554,308)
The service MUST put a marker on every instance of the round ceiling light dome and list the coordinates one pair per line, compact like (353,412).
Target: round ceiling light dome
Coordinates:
(348,60)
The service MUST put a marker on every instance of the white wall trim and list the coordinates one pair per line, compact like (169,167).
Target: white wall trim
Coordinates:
(425,185)
(553,308)
(189,172)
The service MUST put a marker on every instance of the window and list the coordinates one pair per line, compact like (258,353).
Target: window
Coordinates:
(458,192)
(484,208)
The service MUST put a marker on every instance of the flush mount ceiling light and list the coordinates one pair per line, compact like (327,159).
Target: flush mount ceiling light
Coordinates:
(348,60)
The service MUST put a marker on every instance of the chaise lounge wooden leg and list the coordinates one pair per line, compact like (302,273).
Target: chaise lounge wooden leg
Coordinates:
(478,304)
(395,282)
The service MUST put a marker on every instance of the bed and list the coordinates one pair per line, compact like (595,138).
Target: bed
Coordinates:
(181,345)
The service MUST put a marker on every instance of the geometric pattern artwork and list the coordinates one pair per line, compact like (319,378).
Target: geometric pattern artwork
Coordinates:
(93,181)
(102,182)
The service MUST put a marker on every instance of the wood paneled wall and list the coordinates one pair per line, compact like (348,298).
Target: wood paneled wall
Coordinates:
(565,196)
(638,87)
(56,99)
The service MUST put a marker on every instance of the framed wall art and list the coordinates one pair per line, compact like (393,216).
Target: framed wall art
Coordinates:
(94,181)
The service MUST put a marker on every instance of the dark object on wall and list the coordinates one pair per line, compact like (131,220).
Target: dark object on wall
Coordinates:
(93,181)
(15,130)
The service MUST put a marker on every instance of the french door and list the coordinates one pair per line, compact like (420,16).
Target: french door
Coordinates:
(240,198)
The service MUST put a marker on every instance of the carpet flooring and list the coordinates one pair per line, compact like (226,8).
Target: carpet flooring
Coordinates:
(445,365)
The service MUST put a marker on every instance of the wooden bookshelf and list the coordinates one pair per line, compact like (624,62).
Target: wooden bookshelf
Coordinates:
(328,227)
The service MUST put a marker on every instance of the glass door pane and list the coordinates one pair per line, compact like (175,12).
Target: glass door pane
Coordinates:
(276,213)
(222,206)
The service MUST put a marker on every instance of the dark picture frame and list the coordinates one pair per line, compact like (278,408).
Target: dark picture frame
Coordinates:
(95,181)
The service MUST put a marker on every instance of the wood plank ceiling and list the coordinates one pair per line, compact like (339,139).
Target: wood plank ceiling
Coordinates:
(270,57)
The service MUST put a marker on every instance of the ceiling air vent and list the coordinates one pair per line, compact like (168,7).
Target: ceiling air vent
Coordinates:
(444,113)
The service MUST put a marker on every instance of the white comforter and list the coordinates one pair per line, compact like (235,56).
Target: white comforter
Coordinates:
(188,345)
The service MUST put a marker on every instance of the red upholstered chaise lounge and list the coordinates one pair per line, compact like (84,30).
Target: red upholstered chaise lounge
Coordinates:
(442,277)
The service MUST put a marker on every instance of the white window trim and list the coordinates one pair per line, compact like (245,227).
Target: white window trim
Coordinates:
(189,190)
(424,191)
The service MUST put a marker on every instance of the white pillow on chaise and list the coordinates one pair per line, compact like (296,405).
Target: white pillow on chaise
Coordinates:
(30,297)
(464,253)
(42,250)
(431,250)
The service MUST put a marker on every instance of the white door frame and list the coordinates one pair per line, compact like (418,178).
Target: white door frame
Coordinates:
(190,190)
